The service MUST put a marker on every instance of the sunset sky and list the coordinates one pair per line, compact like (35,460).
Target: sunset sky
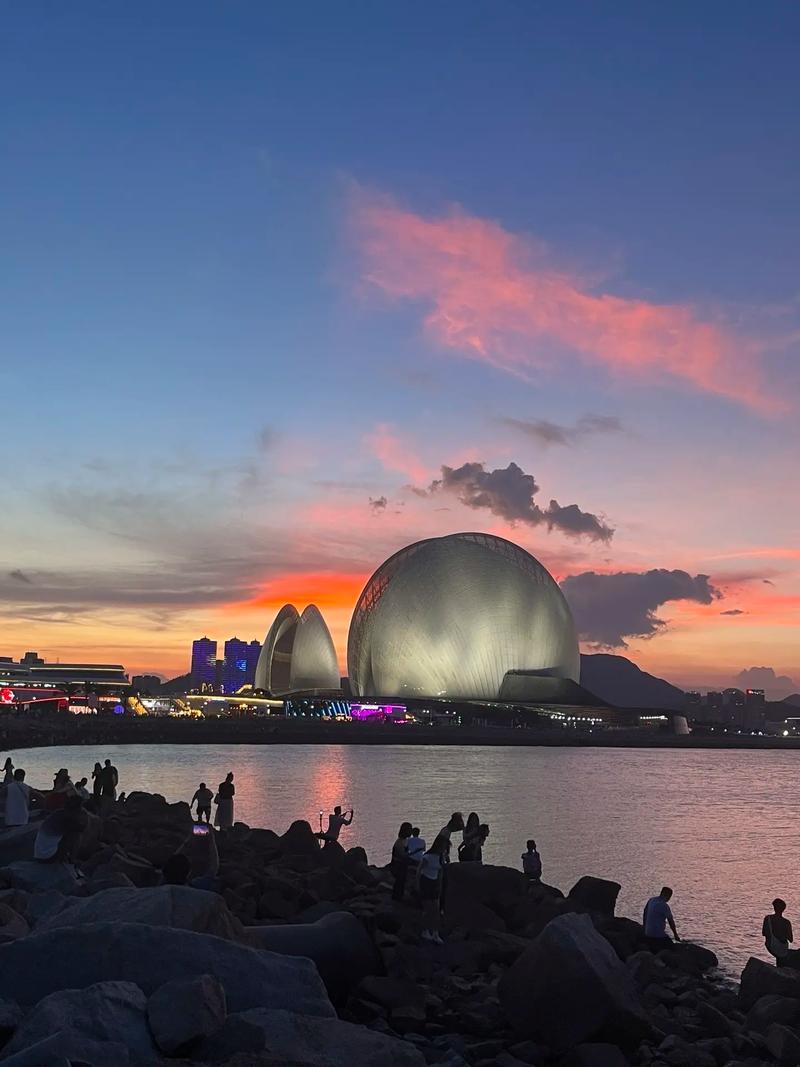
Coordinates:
(284,287)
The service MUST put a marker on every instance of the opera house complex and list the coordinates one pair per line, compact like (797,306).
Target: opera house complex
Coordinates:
(467,619)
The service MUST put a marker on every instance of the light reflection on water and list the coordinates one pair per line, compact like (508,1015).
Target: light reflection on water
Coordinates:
(720,827)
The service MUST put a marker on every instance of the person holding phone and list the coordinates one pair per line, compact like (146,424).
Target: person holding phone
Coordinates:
(336,820)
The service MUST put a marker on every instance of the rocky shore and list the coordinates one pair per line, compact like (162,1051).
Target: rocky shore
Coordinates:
(303,960)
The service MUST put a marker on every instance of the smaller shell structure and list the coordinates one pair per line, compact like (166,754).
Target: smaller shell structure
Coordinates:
(297,654)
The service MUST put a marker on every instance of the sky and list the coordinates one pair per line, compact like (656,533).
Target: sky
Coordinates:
(286,287)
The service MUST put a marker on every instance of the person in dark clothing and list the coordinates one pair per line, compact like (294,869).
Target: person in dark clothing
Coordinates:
(400,861)
(60,833)
(224,801)
(777,933)
(109,779)
(97,782)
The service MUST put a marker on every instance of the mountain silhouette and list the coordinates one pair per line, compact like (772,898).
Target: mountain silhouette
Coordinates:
(619,681)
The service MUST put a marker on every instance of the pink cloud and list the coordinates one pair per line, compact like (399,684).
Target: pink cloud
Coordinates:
(396,454)
(496,297)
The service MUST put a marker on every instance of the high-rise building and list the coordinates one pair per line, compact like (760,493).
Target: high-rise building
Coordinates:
(204,655)
(240,662)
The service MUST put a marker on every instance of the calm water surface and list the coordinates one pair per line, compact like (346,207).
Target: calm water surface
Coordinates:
(720,827)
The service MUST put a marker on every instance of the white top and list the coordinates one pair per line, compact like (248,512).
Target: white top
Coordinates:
(431,865)
(46,844)
(17,799)
(416,848)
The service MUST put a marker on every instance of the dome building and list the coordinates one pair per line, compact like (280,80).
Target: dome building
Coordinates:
(451,617)
(297,654)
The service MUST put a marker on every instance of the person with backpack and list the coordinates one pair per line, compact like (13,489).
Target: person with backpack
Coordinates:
(777,933)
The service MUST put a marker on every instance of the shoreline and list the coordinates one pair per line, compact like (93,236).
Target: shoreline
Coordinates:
(17,732)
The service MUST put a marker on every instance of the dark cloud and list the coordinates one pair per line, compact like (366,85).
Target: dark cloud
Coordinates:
(776,686)
(733,611)
(608,608)
(378,504)
(20,576)
(508,492)
(552,433)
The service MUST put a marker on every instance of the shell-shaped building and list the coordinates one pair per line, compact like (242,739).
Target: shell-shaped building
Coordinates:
(297,654)
(450,616)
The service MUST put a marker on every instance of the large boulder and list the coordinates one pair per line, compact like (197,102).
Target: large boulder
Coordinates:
(338,943)
(760,979)
(773,1008)
(594,894)
(107,1011)
(152,955)
(69,1047)
(16,843)
(570,987)
(498,888)
(36,877)
(784,1044)
(12,924)
(300,840)
(177,906)
(305,1041)
(689,958)
(183,1011)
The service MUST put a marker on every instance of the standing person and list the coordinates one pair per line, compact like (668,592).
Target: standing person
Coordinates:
(469,847)
(399,863)
(97,782)
(657,914)
(336,820)
(18,799)
(777,933)
(483,833)
(416,847)
(224,801)
(8,771)
(203,796)
(431,882)
(453,825)
(532,863)
(109,779)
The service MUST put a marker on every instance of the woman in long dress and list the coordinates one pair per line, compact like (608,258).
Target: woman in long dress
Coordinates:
(224,799)
(8,770)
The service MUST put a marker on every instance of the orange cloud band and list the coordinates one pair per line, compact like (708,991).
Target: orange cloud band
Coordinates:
(495,297)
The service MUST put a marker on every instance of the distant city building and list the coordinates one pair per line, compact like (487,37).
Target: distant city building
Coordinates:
(146,683)
(754,698)
(239,665)
(714,699)
(203,668)
(32,659)
(694,699)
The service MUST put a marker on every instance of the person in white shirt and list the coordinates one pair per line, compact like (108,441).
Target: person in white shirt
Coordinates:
(415,847)
(431,879)
(18,798)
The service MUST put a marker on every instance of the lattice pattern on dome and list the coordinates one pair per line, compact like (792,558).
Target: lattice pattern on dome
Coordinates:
(516,555)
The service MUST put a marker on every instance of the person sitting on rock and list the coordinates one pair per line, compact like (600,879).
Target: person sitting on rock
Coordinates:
(657,914)
(777,933)
(431,883)
(336,820)
(81,790)
(196,863)
(532,863)
(60,833)
(399,863)
(18,797)
(62,789)
(203,797)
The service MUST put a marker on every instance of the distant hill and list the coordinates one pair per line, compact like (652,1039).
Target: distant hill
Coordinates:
(177,685)
(793,699)
(619,681)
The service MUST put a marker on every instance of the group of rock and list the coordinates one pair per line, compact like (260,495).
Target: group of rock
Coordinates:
(303,960)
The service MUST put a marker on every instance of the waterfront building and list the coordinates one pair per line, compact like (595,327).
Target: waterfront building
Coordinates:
(298,654)
(239,664)
(469,616)
(203,663)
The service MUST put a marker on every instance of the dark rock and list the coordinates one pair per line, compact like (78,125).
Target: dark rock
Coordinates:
(624,935)
(391,993)
(10,1018)
(67,1049)
(530,1052)
(357,855)
(759,979)
(176,906)
(300,840)
(714,1022)
(184,1010)
(595,1055)
(594,894)
(104,1012)
(37,877)
(109,880)
(140,871)
(305,1041)
(341,948)
(689,958)
(16,843)
(501,947)
(469,915)
(784,1044)
(773,1008)
(152,955)
(12,924)
(569,986)
(645,968)
(498,888)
